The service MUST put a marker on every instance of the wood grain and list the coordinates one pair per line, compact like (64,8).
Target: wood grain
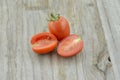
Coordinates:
(93,20)
(110,18)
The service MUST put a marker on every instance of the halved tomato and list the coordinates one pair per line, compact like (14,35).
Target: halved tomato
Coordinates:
(43,42)
(70,46)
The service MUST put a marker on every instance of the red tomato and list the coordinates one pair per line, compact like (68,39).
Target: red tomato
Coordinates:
(70,46)
(59,26)
(43,42)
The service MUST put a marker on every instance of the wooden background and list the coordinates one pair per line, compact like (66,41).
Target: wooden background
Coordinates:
(96,21)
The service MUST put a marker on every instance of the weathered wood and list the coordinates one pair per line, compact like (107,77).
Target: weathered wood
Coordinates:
(21,19)
(110,18)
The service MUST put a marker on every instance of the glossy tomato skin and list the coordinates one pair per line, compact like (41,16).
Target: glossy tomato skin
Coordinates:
(60,28)
(70,46)
(43,43)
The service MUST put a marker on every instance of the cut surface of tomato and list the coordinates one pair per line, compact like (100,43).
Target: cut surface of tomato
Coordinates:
(70,46)
(43,42)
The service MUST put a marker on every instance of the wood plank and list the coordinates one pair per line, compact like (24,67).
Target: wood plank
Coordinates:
(3,44)
(21,19)
(110,17)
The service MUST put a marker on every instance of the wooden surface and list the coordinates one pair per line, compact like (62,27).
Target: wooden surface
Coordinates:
(96,21)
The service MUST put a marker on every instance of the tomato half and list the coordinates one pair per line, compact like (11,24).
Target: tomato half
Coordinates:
(43,42)
(70,46)
(59,26)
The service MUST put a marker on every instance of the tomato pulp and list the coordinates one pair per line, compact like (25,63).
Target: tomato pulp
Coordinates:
(70,46)
(43,42)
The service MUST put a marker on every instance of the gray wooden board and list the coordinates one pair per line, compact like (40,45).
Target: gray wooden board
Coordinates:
(94,20)
(110,18)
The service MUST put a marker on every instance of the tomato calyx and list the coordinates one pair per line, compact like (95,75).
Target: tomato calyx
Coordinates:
(54,17)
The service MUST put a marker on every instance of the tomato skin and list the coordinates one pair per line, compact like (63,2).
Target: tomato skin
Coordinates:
(60,28)
(66,51)
(43,43)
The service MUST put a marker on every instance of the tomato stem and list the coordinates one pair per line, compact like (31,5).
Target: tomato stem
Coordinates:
(54,17)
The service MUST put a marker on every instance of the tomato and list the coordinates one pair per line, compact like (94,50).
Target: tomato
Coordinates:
(70,46)
(59,26)
(43,42)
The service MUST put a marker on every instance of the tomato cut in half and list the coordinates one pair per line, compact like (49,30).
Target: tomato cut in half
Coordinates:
(43,42)
(70,46)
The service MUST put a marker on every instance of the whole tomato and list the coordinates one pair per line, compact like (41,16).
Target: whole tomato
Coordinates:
(59,26)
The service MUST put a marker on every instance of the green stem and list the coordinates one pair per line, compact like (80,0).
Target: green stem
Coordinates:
(54,17)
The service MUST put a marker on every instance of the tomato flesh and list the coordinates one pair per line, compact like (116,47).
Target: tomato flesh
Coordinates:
(43,42)
(70,46)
